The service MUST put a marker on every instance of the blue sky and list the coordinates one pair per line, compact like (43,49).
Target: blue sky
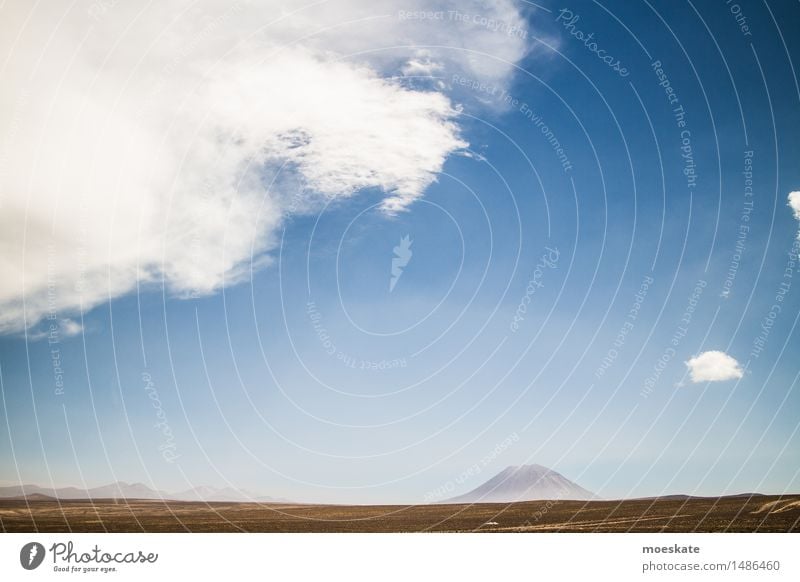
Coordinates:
(281,361)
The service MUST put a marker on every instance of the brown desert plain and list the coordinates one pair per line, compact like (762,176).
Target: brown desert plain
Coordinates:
(736,513)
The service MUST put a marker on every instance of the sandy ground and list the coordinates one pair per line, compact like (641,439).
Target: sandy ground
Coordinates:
(733,514)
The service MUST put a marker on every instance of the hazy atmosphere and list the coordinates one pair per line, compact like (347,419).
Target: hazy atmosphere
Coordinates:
(382,252)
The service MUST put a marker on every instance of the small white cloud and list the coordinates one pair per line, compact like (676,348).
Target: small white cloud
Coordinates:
(714,366)
(70,327)
(63,329)
(794,203)
(421,67)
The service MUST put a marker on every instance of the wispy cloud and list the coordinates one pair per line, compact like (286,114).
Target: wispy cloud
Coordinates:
(714,366)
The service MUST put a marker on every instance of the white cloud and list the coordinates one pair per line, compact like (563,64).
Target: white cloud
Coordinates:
(794,204)
(143,147)
(714,366)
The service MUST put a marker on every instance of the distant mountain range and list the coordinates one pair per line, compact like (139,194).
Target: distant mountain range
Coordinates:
(123,490)
(522,483)
(525,483)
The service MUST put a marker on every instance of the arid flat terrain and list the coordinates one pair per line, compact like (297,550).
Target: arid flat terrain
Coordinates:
(744,513)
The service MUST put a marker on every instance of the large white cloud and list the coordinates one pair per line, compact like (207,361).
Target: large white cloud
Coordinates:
(714,366)
(166,143)
(794,203)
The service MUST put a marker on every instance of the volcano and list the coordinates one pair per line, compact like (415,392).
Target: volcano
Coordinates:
(525,483)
